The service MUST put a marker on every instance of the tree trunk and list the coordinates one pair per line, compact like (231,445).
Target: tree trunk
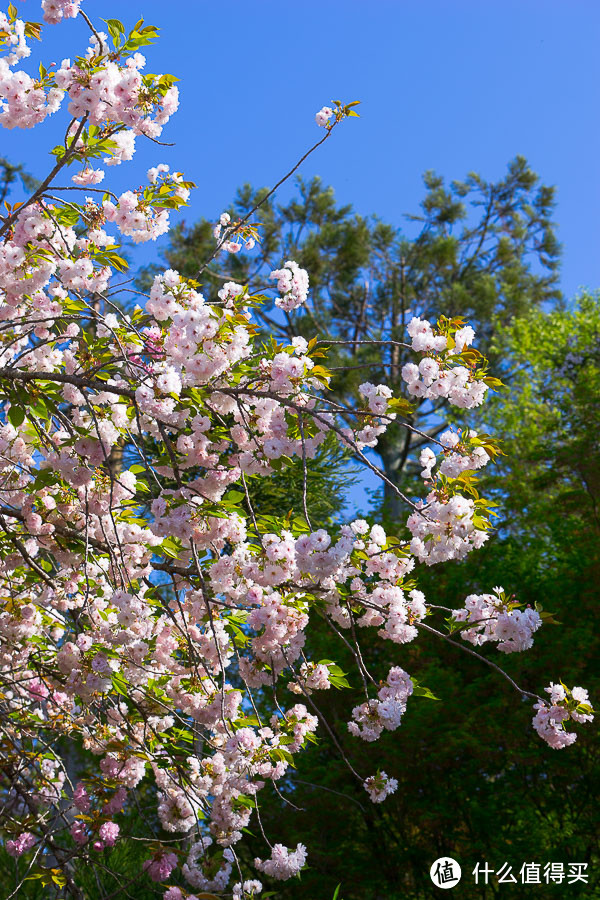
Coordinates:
(393,450)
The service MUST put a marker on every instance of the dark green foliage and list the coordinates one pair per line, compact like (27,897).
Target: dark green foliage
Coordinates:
(475,781)
(329,478)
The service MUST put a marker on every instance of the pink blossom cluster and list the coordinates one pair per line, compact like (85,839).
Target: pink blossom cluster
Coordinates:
(104,92)
(57,10)
(136,220)
(495,618)
(376,395)
(376,419)
(105,832)
(134,212)
(283,862)
(108,834)
(459,455)
(88,176)
(224,222)
(194,872)
(292,284)
(323,116)
(436,375)
(13,39)
(225,228)
(20,845)
(114,93)
(114,96)
(373,716)
(311,677)
(160,866)
(380,786)
(288,370)
(24,101)
(248,890)
(550,719)
(443,528)
(229,292)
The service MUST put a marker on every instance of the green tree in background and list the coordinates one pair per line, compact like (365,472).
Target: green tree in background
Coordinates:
(553,416)
(486,250)
(473,781)
(10,175)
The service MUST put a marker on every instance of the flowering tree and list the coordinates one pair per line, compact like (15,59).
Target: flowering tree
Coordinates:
(152,609)
(367,280)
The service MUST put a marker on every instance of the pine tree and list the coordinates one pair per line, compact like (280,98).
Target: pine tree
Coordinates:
(485,249)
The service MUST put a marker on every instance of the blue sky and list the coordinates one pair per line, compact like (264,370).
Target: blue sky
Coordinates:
(451,86)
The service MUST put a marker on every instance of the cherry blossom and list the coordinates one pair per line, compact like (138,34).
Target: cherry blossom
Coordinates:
(147,599)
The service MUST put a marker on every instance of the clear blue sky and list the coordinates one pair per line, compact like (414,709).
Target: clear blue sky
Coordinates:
(452,85)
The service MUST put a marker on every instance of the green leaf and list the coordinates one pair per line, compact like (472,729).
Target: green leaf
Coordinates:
(234,496)
(45,477)
(40,409)
(16,415)
(116,29)
(401,406)
(111,259)
(171,547)
(120,685)
(420,690)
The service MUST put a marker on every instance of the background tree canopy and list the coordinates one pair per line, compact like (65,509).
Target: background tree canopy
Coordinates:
(486,251)
(474,782)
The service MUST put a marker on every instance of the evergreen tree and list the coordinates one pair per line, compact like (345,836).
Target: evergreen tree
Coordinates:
(486,250)
(10,174)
